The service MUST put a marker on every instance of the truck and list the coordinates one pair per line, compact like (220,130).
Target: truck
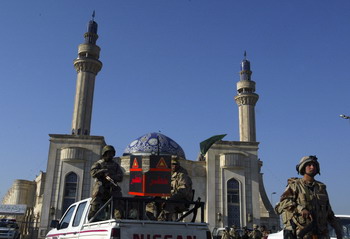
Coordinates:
(344,221)
(9,229)
(133,225)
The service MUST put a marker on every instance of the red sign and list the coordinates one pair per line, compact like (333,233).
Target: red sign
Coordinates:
(136,179)
(156,181)
(162,164)
(135,164)
(159,181)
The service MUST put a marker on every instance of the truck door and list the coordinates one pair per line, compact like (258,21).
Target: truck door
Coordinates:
(64,229)
(78,219)
(72,222)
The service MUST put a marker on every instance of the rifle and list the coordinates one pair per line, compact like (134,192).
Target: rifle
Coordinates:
(112,181)
(312,226)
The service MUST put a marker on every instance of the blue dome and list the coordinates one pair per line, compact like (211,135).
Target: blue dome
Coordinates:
(148,144)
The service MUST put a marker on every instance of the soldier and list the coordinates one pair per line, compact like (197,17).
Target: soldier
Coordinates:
(246,233)
(234,232)
(256,233)
(226,233)
(106,173)
(305,206)
(264,231)
(181,189)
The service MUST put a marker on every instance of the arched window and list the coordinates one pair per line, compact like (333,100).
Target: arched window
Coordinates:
(233,206)
(70,190)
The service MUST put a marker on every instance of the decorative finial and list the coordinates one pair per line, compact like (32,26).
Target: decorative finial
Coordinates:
(91,34)
(93,15)
(245,64)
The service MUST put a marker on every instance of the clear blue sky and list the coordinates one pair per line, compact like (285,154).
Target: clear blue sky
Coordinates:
(172,66)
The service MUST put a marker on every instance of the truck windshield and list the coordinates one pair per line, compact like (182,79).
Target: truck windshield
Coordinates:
(8,225)
(3,224)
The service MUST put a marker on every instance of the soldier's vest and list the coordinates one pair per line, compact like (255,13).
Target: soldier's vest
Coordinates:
(111,166)
(314,199)
(175,184)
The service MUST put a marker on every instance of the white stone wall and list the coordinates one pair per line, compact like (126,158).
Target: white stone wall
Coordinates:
(67,153)
(21,192)
(227,160)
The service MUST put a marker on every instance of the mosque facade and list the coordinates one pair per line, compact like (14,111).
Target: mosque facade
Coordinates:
(227,177)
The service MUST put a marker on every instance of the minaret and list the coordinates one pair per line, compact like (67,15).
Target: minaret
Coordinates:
(246,100)
(87,66)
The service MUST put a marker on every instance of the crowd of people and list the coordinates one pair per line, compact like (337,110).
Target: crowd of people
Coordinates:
(256,233)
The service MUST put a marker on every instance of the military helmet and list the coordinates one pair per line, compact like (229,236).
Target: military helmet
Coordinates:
(107,148)
(307,159)
(174,160)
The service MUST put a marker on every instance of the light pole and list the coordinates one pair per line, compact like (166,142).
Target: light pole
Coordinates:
(271,198)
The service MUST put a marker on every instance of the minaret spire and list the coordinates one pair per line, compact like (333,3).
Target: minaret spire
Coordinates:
(87,66)
(246,99)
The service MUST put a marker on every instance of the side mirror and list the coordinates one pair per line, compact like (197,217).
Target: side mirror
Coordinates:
(54,224)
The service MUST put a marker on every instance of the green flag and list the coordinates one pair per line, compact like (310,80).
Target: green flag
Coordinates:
(206,144)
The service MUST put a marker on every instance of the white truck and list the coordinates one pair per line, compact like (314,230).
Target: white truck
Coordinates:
(343,219)
(75,223)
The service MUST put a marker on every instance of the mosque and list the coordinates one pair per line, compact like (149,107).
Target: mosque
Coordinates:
(227,177)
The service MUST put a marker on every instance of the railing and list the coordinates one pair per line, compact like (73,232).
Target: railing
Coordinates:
(139,204)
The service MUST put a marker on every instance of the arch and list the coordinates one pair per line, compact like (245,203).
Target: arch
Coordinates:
(233,203)
(70,190)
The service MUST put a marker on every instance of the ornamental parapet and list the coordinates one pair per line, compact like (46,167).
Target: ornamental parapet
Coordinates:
(73,154)
(246,99)
(87,65)
(90,50)
(232,160)
(246,84)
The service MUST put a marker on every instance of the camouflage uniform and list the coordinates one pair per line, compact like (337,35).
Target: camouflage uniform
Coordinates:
(103,189)
(181,185)
(245,233)
(226,234)
(300,195)
(256,233)
(234,233)
(181,189)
